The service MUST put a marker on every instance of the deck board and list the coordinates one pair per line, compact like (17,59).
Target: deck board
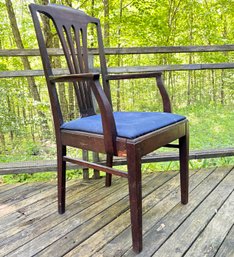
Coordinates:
(97,222)
(226,249)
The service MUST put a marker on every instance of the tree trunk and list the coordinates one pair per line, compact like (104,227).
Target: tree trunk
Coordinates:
(225,34)
(189,88)
(174,8)
(61,86)
(119,57)
(53,42)
(3,142)
(190,74)
(222,87)
(106,23)
(213,86)
(11,110)
(31,82)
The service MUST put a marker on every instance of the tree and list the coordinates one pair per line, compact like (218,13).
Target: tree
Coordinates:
(31,82)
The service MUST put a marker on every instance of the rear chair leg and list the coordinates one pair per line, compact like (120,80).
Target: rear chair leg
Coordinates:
(184,166)
(135,196)
(61,169)
(109,163)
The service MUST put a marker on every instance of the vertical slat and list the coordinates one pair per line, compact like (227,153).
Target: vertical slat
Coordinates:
(61,31)
(69,63)
(78,49)
(72,49)
(76,66)
(81,48)
(87,88)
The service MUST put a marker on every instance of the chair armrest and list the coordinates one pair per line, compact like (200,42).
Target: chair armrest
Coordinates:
(158,75)
(74,77)
(108,122)
(133,75)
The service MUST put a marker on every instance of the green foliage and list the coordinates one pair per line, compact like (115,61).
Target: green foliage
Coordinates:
(210,126)
(205,97)
(38,177)
(44,176)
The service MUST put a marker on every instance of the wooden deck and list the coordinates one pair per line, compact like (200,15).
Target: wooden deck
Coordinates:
(97,221)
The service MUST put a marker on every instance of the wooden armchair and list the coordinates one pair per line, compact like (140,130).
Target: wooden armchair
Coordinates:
(130,134)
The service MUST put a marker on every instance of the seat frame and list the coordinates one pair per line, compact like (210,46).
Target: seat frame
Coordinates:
(66,19)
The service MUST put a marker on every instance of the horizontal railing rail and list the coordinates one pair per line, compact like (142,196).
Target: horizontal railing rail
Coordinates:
(125,51)
(125,69)
(40,166)
(51,165)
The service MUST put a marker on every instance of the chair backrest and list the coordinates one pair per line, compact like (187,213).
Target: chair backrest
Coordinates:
(71,26)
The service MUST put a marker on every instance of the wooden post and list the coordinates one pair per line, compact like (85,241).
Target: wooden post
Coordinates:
(85,156)
(96,173)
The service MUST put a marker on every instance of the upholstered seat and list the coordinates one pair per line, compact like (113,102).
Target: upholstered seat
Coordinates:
(128,124)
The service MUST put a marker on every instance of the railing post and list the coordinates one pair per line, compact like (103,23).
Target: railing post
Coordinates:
(85,157)
(95,156)
(96,173)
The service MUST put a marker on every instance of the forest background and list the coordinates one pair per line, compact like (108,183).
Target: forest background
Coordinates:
(205,97)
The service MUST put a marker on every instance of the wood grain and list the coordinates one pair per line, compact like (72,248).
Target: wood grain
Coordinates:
(125,50)
(97,219)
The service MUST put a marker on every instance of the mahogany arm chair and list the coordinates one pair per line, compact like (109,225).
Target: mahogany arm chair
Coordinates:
(130,134)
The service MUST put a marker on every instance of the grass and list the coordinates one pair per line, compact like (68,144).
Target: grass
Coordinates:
(210,126)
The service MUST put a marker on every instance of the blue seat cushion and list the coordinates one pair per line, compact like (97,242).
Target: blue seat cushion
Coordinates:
(128,124)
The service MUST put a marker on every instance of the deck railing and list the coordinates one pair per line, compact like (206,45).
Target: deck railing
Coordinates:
(125,51)
(51,165)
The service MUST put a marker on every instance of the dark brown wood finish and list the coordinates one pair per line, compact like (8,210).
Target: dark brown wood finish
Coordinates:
(71,26)
(135,194)
(184,158)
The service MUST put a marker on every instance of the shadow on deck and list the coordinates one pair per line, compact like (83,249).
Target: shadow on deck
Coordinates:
(96,222)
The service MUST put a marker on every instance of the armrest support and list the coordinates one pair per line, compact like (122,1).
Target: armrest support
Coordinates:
(165,97)
(108,122)
(158,75)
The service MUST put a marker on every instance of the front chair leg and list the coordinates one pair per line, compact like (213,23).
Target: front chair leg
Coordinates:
(61,169)
(109,163)
(184,167)
(135,196)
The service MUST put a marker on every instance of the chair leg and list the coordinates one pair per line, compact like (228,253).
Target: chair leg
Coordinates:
(61,169)
(135,196)
(184,167)
(109,163)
